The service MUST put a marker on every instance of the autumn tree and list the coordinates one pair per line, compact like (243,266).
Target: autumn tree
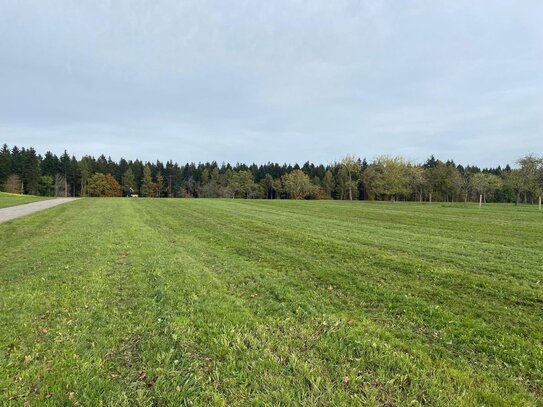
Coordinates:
(297,185)
(417,181)
(103,185)
(242,183)
(485,183)
(529,171)
(342,183)
(328,183)
(267,184)
(160,186)
(387,177)
(14,184)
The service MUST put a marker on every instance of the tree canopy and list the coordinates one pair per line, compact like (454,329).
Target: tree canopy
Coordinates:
(23,170)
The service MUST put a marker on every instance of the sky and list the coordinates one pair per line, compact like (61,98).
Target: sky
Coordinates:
(282,81)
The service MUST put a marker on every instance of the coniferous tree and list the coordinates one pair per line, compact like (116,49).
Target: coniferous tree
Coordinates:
(5,164)
(30,171)
(147,184)
(129,182)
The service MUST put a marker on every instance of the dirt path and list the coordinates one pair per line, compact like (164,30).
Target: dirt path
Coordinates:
(14,212)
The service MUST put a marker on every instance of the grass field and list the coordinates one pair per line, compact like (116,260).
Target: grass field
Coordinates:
(15,199)
(223,302)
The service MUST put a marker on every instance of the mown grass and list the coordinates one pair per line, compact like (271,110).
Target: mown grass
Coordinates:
(223,302)
(7,200)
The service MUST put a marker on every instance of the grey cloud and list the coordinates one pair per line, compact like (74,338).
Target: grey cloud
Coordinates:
(282,81)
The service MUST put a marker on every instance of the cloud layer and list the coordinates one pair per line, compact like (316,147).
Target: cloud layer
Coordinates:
(273,81)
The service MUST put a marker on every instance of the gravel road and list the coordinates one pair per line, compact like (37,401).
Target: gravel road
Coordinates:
(14,212)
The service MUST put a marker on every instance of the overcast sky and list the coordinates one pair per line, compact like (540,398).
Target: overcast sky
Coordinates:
(286,81)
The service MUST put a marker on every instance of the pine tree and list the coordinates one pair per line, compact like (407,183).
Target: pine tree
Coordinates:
(5,164)
(129,181)
(147,185)
(30,171)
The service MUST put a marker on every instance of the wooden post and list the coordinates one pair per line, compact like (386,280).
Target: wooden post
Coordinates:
(480,201)
(539,202)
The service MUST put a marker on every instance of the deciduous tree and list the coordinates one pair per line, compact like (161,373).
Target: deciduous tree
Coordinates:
(14,184)
(103,185)
(352,169)
(242,183)
(297,185)
(484,184)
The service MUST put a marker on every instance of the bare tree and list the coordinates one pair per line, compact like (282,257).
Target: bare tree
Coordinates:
(14,185)
(61,186)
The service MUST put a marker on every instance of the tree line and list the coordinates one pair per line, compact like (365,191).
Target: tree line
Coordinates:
(23,170)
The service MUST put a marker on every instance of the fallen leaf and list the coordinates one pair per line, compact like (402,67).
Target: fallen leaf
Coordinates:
(142,375)
(71,395)
(346,380)
(28,358)
(178,389)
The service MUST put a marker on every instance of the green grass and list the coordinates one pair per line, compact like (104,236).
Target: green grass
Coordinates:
(15,199)
(223,302)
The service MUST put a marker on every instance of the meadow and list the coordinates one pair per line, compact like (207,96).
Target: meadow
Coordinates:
(236,302)
(7,200)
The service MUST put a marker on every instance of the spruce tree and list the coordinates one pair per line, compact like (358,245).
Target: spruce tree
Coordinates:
(147,184)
